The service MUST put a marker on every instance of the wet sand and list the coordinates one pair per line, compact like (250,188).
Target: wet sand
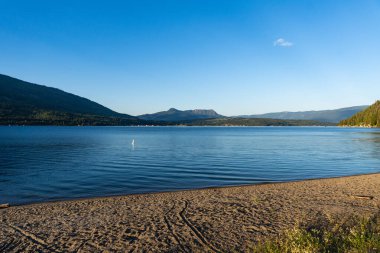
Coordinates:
(208,220)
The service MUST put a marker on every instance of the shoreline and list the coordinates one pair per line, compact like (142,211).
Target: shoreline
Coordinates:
(184,190)
(221,219)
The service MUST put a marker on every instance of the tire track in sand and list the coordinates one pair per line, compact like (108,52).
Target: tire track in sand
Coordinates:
(198,234)
(169,226)
(32,237)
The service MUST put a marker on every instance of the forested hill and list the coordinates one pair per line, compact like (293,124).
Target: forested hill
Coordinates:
(32,104)
(173,115)
(370,117)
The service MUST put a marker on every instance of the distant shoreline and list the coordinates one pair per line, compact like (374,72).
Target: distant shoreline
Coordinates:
(170,126)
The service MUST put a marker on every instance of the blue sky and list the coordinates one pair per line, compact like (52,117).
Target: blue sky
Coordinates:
(237,57)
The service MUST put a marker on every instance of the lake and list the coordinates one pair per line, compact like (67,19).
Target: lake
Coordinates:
(56,163)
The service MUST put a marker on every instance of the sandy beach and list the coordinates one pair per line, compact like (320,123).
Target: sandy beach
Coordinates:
(207,220)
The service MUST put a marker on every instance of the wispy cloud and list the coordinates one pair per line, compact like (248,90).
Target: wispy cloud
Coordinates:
(280,42)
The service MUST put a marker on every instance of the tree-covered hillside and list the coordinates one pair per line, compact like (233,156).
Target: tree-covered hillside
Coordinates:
(370,117)
(24,103)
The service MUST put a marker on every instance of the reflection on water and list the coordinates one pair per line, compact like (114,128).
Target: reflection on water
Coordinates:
(52,163)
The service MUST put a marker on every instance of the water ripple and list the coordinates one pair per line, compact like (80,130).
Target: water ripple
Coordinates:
(52,163)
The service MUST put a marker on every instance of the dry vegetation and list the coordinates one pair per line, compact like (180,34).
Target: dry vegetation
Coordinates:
(356,234)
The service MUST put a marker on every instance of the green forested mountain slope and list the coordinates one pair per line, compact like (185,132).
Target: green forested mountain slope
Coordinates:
(370,117)
(32,104)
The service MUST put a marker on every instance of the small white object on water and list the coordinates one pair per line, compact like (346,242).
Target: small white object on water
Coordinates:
(133,142)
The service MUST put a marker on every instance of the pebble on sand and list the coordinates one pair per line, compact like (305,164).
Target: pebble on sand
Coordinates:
(4,206)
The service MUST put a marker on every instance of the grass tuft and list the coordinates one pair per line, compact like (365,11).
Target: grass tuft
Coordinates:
(355,234)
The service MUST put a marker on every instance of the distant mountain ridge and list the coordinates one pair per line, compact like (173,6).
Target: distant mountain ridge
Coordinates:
(370,117)
(24,103)
(173,115)
(332,116)
(28,103)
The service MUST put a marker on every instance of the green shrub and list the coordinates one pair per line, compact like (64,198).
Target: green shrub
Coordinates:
(353,235)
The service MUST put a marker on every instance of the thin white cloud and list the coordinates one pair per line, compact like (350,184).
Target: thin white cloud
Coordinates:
(280,42)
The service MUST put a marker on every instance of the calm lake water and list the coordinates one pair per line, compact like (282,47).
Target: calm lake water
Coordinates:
(55,163)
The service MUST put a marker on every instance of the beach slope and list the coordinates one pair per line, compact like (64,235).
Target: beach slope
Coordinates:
(208,220)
